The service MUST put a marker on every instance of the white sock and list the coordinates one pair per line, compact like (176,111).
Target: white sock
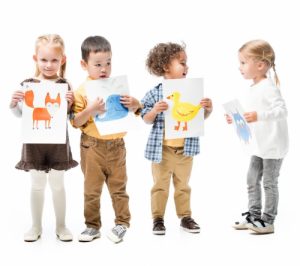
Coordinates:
(56,182)
(38,184)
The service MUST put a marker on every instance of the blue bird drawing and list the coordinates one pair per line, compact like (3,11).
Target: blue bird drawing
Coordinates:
(242,128)
(114,109)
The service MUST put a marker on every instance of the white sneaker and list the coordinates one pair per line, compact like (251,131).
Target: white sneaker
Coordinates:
(33,234)
(243,225)
(261,227)
(117,233)
(64,234)
(89,234)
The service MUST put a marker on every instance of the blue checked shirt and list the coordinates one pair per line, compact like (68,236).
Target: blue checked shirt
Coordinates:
(154,145)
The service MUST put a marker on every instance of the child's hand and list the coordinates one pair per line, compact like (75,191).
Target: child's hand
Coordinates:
(129,102)
(250,117)
(17,96)
(96,107)
(228,119)
(206,103)
(159,107)
(70,98)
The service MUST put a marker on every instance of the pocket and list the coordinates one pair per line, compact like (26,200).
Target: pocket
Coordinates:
(87,143)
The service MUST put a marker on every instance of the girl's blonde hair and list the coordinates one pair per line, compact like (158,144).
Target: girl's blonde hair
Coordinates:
(262,51)
(55,40)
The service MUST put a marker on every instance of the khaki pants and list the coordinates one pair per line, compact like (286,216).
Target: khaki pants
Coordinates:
(104,161)
(174,164)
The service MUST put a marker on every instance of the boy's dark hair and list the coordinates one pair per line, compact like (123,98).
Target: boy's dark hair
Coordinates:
(94,44)
(161,55)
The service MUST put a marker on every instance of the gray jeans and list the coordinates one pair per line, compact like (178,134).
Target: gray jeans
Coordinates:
(269,170)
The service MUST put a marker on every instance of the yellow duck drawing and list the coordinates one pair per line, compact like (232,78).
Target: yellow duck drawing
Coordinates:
(182,111)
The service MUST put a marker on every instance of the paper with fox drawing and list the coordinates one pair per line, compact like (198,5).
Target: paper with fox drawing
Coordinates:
(185,115)
(44,112)
(116,118)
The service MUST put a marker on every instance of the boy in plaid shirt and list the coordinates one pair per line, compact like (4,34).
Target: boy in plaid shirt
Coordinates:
(170,158)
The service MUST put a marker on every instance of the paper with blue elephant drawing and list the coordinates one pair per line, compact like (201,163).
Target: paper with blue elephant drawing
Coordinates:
(117,117)
(44,113)
(185,115)
(243,130)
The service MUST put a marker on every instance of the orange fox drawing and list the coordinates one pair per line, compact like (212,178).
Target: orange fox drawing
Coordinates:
(42,113)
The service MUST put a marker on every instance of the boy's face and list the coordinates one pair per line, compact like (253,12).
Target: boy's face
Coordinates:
(98,65)
(177,69)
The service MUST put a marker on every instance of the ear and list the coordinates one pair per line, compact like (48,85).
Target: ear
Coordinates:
(261,65)
(63,60)
(83,64)
(166,68)
(34,57)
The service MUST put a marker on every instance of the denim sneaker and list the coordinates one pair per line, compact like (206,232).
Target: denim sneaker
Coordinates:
(261,227)
(158,226)
(88,235)
(189,225)
(243,225)
(117,233)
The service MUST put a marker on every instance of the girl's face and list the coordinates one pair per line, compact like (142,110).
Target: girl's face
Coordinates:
(252,69)
(49,59)
(98,65)
(177,69)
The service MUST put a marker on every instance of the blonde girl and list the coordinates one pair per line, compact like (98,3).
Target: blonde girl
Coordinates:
(267,112)
(46,160)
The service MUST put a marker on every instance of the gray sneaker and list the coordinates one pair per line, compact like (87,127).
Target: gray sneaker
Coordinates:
(89,234)
(117,233)
(261,227)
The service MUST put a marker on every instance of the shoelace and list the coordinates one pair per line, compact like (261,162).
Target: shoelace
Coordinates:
(159,221)
(120,229)
(260,221)
(247,217)
(190,220)
(89,231)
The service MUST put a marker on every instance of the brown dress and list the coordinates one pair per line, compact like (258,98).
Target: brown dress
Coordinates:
(45,157)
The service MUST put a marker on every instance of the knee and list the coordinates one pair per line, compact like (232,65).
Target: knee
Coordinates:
(56,180)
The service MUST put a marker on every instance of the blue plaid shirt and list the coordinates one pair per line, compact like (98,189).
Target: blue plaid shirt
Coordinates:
(154,145)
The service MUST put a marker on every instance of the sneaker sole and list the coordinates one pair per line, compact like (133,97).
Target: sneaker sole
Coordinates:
(113,238)
(240,227)
(90,239)
(193,231)
(257,231)
(159,233)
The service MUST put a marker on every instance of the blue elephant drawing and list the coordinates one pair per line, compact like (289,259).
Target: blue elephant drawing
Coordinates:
(242,128)
(114,109)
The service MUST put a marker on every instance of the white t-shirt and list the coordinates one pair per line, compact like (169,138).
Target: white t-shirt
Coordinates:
(270,130)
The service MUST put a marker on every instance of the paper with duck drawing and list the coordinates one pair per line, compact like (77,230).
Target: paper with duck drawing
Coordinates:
(185,116)
(44,112)
(116,118)
(243,130)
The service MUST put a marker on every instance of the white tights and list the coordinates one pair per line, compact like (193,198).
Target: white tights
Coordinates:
(56,182)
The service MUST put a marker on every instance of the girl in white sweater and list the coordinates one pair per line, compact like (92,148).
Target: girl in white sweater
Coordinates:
(267,112)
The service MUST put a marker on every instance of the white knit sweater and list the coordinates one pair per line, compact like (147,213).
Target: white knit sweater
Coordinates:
(270,131)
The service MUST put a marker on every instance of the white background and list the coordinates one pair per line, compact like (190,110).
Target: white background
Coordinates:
(213,32)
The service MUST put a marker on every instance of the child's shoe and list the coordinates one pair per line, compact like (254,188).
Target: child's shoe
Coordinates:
(89,234)
(117,233)
(189,225)
(158,226)
(243,225)
(33,234)
(64,234)
(261,227)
